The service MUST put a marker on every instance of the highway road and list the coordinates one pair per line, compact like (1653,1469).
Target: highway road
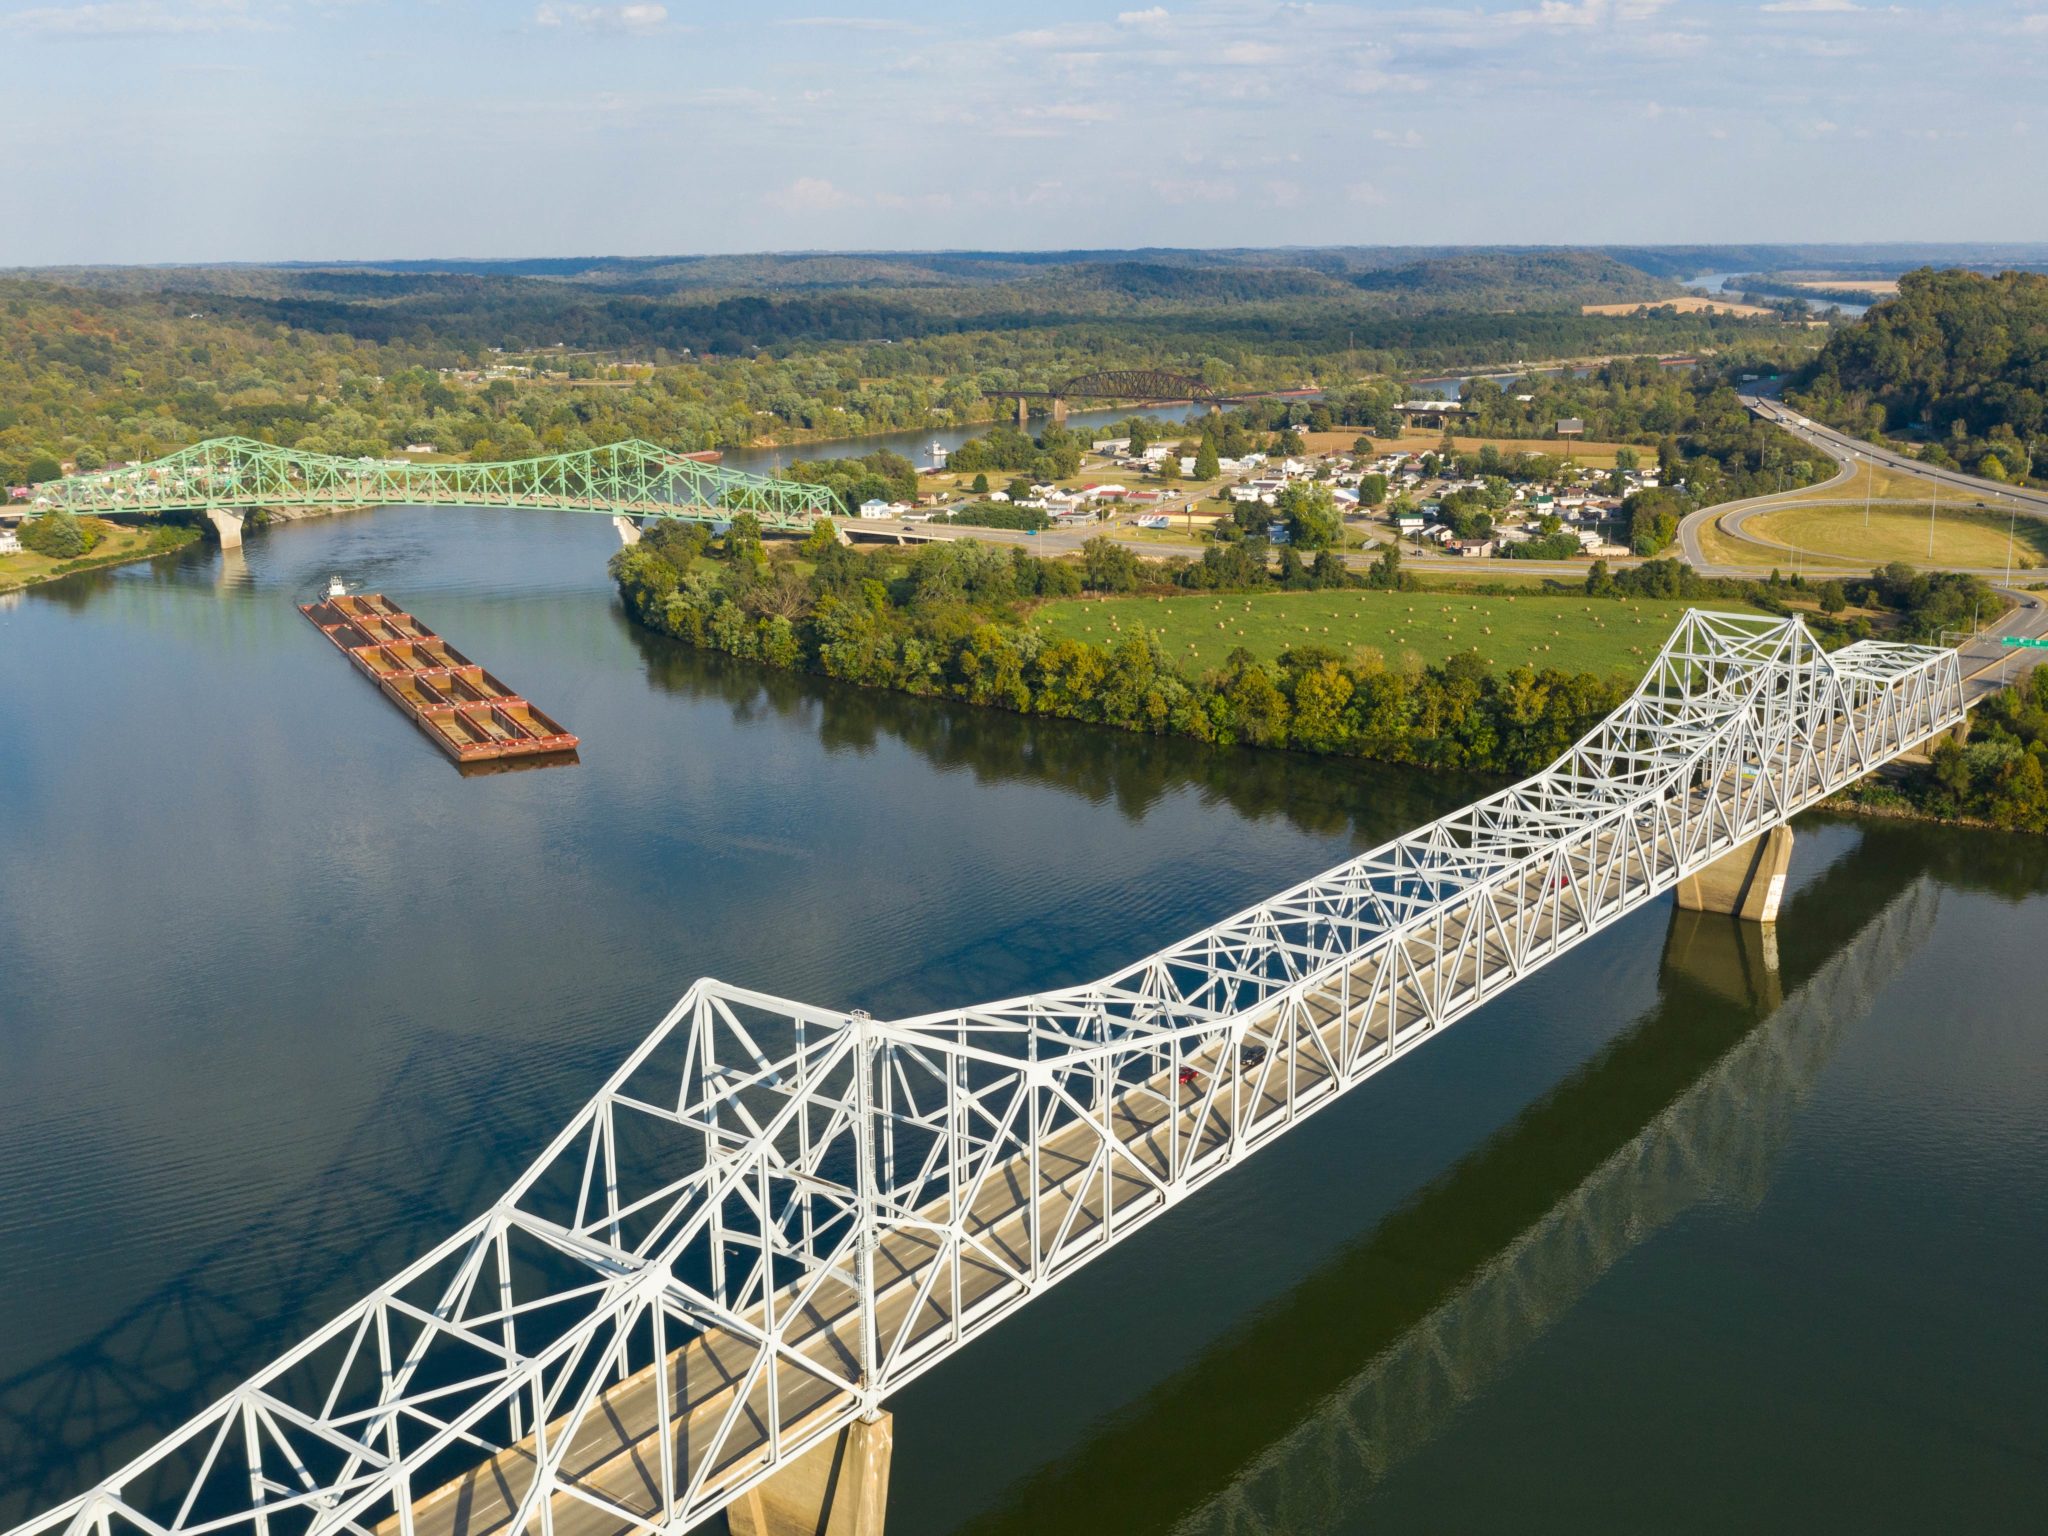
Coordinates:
(1849,454)
(1846,449)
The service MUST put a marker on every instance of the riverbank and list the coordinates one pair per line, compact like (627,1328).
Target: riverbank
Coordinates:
(119,545)
(946,622)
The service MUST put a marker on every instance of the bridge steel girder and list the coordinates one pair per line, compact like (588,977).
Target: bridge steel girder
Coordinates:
(630,479)
(774,1215)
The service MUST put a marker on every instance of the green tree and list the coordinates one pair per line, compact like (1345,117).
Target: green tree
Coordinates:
(1108,567)
(58,536)
(1206,467)
(1311,515)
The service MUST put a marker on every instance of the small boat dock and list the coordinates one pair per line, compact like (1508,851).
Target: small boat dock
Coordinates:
(464,710)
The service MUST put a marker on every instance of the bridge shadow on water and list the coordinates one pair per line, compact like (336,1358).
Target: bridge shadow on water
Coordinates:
(70,1419)
(1289,1423)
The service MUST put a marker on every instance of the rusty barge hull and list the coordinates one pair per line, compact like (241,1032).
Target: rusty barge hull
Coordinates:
(463,709)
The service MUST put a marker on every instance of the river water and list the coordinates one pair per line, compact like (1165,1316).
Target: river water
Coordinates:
(1685,1229)
(917,446)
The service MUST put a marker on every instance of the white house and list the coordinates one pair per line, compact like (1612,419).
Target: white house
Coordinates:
(9,544)
(874,507)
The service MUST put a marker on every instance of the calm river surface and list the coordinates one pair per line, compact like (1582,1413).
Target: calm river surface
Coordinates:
(1683,1234)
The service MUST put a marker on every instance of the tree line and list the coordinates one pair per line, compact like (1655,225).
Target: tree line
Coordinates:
(946,622)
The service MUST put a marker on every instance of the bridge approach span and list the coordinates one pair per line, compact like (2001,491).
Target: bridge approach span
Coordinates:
(227,476)
(776,1214)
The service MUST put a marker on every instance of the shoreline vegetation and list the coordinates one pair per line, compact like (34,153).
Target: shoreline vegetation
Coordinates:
(110,544)
(954,620)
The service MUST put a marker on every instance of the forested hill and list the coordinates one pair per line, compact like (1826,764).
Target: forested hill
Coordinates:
(127,363)
(1957,358)
(730,303)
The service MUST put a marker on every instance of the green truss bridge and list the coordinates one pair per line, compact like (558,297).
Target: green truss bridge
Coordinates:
(225,478)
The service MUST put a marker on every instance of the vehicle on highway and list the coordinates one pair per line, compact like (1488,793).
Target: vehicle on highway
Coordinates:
(1189,1077)
(1251,1055)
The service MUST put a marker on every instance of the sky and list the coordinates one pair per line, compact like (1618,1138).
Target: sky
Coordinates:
(257,130)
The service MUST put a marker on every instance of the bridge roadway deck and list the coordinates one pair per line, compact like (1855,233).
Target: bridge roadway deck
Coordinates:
(615,1454)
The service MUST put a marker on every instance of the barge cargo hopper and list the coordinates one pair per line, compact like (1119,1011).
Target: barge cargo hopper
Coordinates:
(464,710)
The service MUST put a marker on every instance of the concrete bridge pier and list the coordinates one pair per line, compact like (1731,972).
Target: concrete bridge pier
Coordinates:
(1059,411)
(1023,413)
(839,1488)
(629,531)
(228,525)
(1746,882)
(1734,960)
(1922,755)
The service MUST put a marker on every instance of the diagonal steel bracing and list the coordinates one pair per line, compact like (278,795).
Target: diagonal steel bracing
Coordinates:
(774,1214)
(632,478)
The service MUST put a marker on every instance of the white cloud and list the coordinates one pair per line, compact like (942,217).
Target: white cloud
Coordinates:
(1191,189)
(813,194)
(1365,194)
(2038,22)
(1583,13)
(1407,138)
(607,18)
(1155,16)
(848,23)
(130,18)
(1809,7)
(1251,53)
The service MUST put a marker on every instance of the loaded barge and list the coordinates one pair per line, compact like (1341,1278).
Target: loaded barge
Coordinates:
(464,710)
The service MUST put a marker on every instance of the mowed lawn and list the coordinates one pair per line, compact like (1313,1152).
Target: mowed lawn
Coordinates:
(1901,533)
(1567,632)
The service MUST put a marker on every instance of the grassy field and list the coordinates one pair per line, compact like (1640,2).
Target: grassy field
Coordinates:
(1881,483)
(1564,631)
(1690,304)
(118,543)
(1968,538)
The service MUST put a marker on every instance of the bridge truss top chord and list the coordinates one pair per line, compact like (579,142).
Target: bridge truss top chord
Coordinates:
(1120,384)
(633,478)
(776,1214)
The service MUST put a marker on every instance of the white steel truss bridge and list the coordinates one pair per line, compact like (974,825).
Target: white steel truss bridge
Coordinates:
(774,1215)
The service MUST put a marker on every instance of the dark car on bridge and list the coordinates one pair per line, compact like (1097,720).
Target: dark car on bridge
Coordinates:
(1251,1055)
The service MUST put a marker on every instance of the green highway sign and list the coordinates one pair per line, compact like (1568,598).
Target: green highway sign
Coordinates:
(2028,642)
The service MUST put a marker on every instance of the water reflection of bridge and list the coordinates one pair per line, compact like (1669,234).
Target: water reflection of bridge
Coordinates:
(1200,1445)
(1718,1141)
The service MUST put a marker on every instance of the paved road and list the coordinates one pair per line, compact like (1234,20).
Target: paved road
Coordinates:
(1850,449)
(1849,455)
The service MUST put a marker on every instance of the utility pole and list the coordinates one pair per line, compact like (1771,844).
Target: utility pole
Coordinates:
(2011,530)
(1933,504)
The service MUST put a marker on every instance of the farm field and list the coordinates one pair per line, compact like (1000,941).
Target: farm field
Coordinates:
(1566,631)
(1894,532)
(1689,304)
